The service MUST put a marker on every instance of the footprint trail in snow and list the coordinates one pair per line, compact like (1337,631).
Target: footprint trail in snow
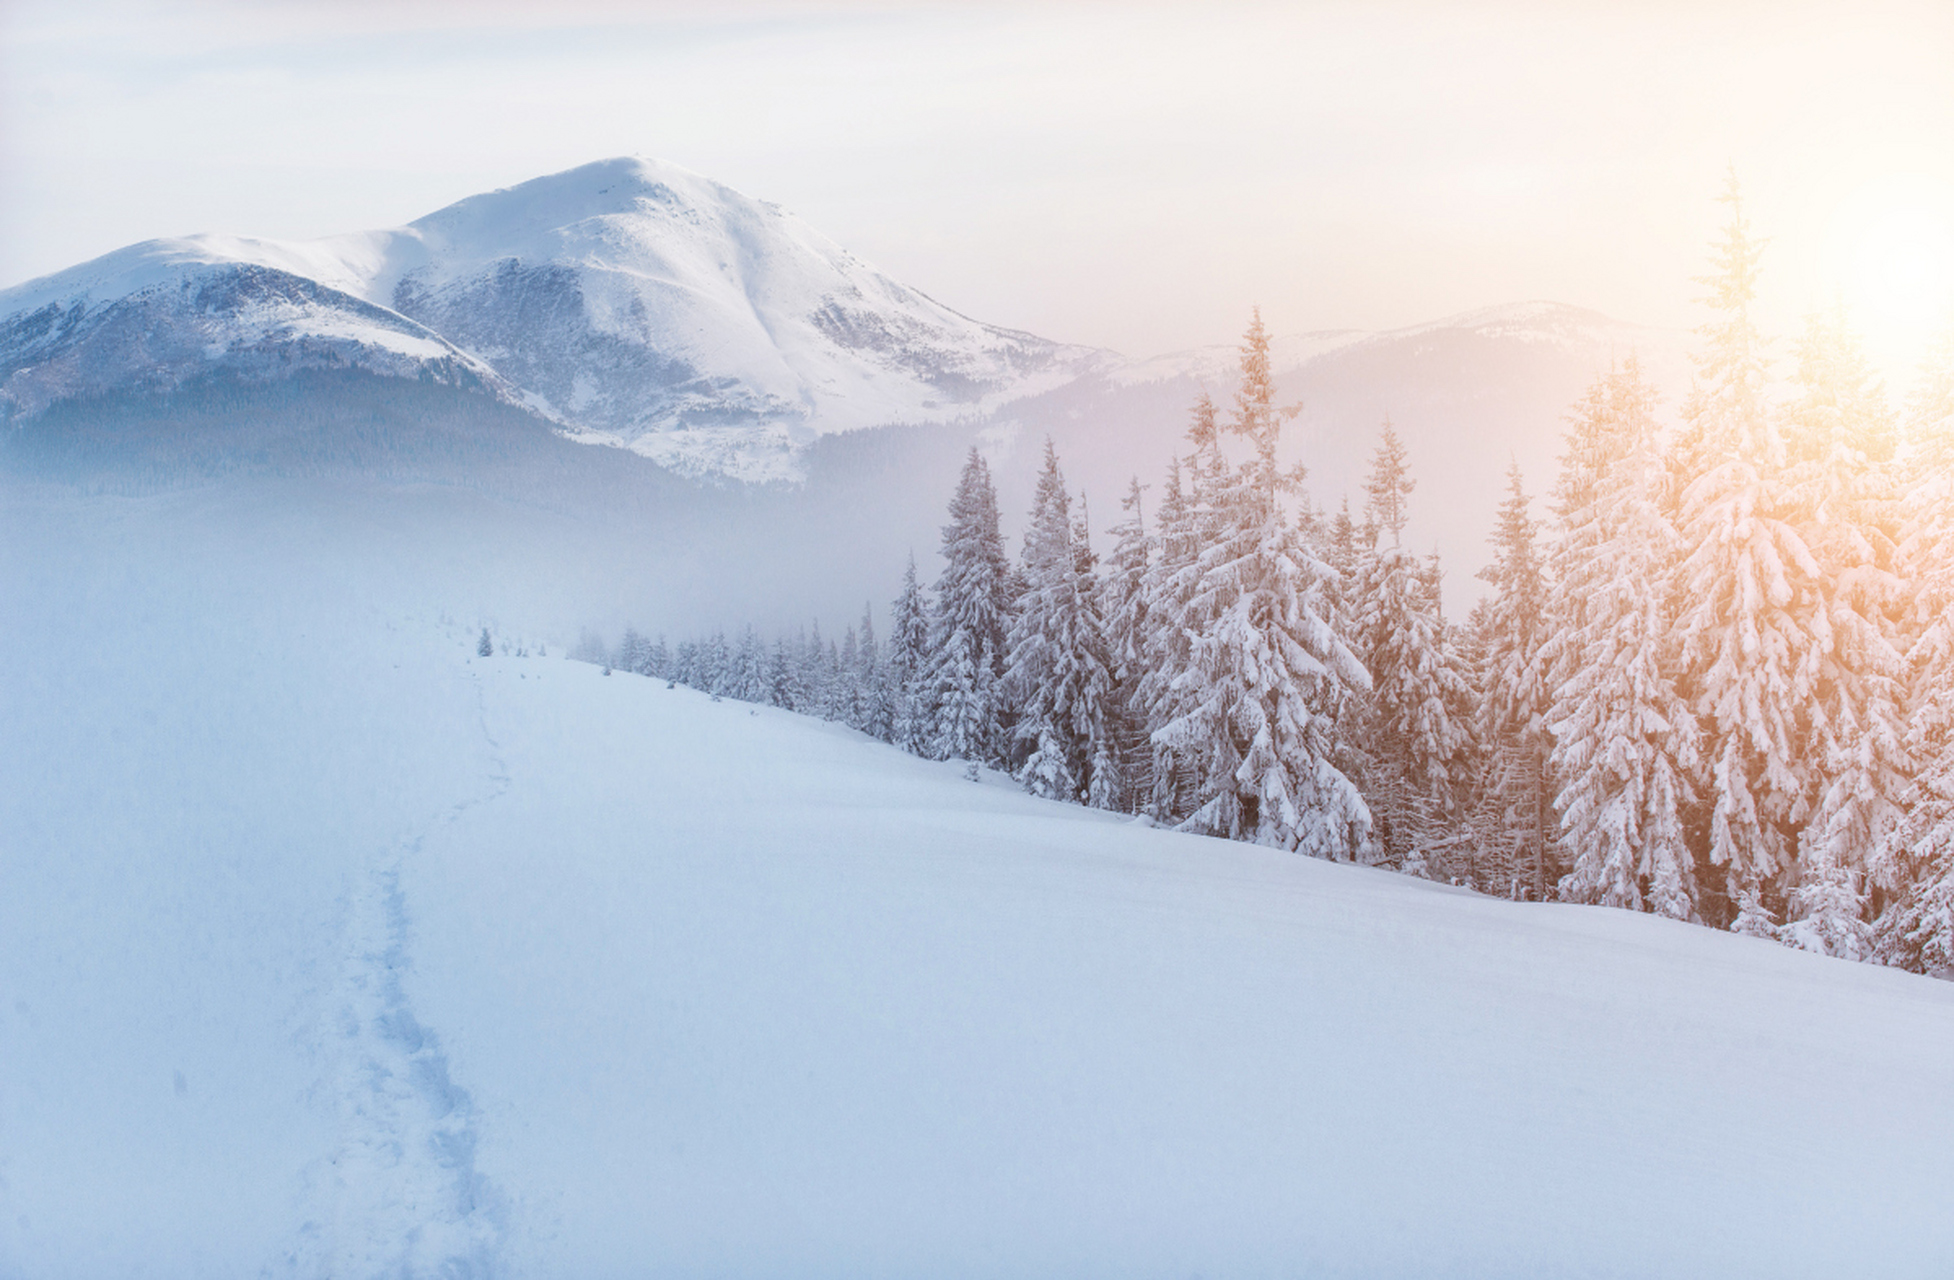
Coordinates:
(400,1196)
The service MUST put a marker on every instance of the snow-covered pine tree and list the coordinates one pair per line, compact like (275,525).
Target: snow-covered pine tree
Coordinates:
(1914,864)
(1514,819)
(834,683)
(1625,742)
(631,652)
(1459,694)
(1105,775)
(850,698)
(1414,743)
(686,665)
(1186,526)
(716,674)
(1052,768)
(1258,703)
(1577,536)
(871,677)
(750,668)
(1341,551)
(780,675)
(1744,587)
(964,693)
(908,667)
(485,648)
(658,659)
(969,624)
(1840,440)
(1127,625)
(807,685)
(1056,674)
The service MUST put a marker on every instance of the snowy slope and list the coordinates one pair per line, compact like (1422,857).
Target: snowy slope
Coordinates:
(164,313)
(630,300)
(644,301)
(331,949)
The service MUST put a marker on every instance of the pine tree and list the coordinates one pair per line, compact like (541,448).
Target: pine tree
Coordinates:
(1105,777)
(1388,487)
(1414,741)
(781,680)
(485,648)
(807,686)
(965,697)
(822,676)
(871,677)
(716,674)
(1258,703)
(1624,740)
(1745,587)
(969,624)
(749,681)
(1914,863)
(1127,626)
(631,652)
(908,666)
(1342,551)
(1057,674)
(850,700)
(1840,439)
(1172,586)
(1515,817)
(685,664)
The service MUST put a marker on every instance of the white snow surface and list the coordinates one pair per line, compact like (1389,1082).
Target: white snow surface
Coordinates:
(635,301)
(331,949)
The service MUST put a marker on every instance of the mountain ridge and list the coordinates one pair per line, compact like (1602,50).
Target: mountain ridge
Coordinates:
(637,305)
(627,301)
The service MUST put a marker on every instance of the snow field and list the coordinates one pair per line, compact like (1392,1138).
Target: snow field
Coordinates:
(328,948)
(900,1024)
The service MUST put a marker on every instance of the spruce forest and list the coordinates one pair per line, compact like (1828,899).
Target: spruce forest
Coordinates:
(1714,680)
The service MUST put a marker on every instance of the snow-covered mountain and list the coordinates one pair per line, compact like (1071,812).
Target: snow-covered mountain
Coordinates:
(157,315)
(629,301)
(635,304)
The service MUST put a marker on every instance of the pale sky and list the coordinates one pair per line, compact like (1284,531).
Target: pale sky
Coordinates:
(1129,176)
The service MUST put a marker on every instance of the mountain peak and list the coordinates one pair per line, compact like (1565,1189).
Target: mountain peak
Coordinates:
(621,185)
(630,300)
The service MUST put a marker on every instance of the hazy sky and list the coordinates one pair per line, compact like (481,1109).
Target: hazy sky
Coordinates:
(1123,175)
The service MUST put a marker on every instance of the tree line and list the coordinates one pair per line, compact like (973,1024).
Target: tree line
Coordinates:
(1716,683)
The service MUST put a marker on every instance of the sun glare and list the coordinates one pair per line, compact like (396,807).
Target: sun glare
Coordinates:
(1900,282)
